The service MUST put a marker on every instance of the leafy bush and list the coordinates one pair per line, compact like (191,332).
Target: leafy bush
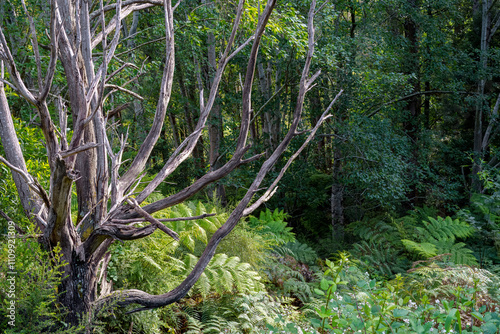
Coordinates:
(371,306)
(35,293)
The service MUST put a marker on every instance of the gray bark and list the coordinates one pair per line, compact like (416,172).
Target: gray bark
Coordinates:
(14,155)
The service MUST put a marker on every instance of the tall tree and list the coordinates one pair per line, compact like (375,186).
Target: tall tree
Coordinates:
(108,207)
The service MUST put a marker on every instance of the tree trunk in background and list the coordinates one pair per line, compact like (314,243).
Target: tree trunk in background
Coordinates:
(413,107)
(215,127)
(480,105)
(337,208)
(190,111)
(270,121)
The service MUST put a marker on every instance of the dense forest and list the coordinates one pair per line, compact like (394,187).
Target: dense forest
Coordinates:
(248,166)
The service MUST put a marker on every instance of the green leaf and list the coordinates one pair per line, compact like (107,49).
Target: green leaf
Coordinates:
(477,315)
(399,313)
(324,284)
(489,328)
(449,318)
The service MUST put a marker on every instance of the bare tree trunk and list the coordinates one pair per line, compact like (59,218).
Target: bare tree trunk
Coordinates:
(14,155)
(413,107)
(215,128)
(188,94)
(478,118)
(270,120)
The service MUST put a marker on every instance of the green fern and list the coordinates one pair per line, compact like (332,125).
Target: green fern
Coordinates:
(302,252)
(375,230)
(443,229)
(290,278)
(273,226)
(380,259)
(438,236)
(424,249)
(256,310)
(193,326)
(223,274)
(440,280)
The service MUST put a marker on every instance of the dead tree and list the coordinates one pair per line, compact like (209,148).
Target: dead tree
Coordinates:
(107,205)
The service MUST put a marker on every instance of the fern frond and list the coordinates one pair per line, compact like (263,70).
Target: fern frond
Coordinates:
(194,326)
(424,249)
(442,229)
(302,252)
(438,237)
(462,255)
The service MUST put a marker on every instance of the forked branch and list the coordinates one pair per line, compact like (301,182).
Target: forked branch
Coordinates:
(148,301)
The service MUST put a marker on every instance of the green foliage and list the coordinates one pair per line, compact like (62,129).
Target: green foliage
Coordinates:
(484,215)
(380,250)
(372,307)
(256,310)
(384,243)
(247,243)
(437,236)
(424,249)
(34,292)
(157,264)
(241,313)
(299,251)
(439,280)
(375,166)
(273,226)
(289,277)
(381,259)
(223,274)
(31,141)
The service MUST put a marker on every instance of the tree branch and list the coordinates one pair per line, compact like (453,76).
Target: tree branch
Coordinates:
(148,301)
(6,55)
(128,221)
(151,219)
(272,189)
(137,96)
(88,146)
(430,92)
(180,156)
(30,180)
